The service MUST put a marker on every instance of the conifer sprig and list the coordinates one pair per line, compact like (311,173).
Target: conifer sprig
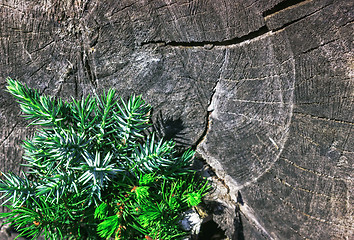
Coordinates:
(94,173)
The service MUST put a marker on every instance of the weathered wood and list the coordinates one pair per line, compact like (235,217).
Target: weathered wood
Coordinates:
(262,89)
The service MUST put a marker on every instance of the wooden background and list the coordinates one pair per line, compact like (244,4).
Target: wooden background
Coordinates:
(263,89)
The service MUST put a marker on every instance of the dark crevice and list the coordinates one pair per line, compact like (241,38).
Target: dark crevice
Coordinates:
(281,6)
(211,231)
(98,29)
(159,42)
(319,46)
(42,47)
(301,18)
(38,69)
(207,121)
(209,44)
(207,125)
(115,10)
(10,132)
(87,66)
(87,44)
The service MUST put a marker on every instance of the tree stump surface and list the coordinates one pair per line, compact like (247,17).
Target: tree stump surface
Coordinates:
(262,89)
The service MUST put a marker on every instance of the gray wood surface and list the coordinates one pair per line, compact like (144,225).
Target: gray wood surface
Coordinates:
(263,90)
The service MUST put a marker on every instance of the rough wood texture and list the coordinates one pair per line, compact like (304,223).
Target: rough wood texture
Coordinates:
(263,90)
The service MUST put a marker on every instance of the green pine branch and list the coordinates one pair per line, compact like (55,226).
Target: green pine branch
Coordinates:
(42,110)
(93,173)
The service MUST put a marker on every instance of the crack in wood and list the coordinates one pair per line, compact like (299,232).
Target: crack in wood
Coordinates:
(87,66)
(9,134)
(42,47)
(283,6)
(210,44)
(39,68)
(210,107)
(115,10)
(206,128)
(299,19)
(86,56)
(319,46)
(220,172)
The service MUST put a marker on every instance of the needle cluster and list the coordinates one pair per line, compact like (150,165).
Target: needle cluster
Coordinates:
(95,172)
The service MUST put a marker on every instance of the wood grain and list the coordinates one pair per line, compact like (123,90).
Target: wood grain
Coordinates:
(262,89)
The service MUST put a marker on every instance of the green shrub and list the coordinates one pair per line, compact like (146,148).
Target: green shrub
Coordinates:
(94,172)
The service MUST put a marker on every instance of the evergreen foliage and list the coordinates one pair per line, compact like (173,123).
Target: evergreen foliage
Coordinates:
(93,172)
